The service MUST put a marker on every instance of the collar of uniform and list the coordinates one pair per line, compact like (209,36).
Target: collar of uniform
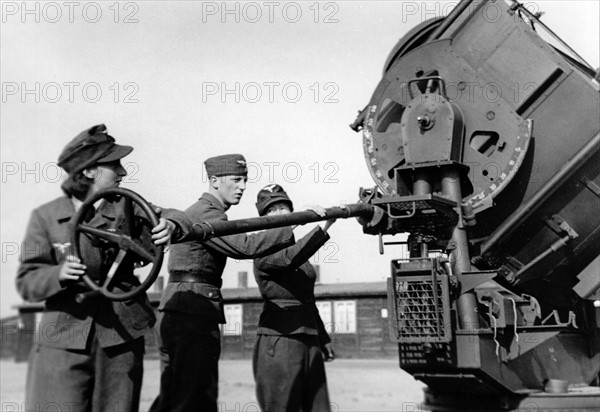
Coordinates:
(104,216)
(105,208)
(77,203)
(213,200)
(65,209)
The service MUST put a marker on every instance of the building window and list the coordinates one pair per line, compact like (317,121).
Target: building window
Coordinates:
(233,317)
(325,313)
(344,316)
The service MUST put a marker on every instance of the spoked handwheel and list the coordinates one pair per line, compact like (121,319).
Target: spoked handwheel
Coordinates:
(121,238)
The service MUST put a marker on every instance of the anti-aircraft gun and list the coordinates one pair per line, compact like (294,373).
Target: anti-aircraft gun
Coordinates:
(483,140)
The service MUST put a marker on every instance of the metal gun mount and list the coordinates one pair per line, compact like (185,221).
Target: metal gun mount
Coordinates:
(483,141)
(507,186)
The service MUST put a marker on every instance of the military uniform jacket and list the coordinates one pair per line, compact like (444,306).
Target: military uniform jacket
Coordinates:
(205,261)
(66,323)
(286,281)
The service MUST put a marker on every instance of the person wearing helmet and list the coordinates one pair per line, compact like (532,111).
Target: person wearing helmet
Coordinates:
(292,342)
(87,357)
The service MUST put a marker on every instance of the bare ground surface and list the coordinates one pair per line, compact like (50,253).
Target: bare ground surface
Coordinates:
(354,385)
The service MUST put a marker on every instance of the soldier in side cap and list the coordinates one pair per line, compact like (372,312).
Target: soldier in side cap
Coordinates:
(191,307)
(292,342)
(89,356)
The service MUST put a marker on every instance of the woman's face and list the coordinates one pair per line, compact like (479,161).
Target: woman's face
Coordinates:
(279,208)
(105,175)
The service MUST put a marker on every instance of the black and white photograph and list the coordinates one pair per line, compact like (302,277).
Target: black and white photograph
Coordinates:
(300,206)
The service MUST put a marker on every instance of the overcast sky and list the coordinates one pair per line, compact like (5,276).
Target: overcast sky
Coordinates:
(183,81)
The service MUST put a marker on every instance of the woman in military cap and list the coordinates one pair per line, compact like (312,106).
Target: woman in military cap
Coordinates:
(87,356)
(292,342)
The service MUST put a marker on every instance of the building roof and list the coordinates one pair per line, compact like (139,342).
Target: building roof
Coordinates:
(322,291)
(332,290)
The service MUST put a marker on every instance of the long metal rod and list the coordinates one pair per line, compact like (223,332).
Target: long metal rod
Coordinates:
(555,247)
(518,217)
(207,230)
(535,18)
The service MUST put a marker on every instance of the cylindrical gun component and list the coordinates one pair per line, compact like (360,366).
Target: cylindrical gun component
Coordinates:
(467,302)
(207,230)
(424,249)
(422,183)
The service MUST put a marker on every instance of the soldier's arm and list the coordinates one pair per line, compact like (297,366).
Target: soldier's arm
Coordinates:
(38,272)
(243,246)
(323,335)
(183,224)
(293,256)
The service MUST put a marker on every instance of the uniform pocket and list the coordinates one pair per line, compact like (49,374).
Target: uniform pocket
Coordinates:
(209,292)
(137,313)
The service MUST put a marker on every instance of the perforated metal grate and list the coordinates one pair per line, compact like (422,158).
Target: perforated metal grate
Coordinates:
(422,311)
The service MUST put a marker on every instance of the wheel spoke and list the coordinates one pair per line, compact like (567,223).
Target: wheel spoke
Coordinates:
(129,244)
(125,237)
(128,217)
(114,267)
(102,234)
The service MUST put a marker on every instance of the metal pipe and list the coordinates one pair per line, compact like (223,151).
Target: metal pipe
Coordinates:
(467,302)
(207,230)
(555,247)
(422,183)
(548,189)
(424,250)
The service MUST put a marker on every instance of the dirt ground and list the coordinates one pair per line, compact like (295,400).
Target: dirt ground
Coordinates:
(354,385)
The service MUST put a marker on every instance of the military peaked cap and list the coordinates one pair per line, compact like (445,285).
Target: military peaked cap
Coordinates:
(90,147)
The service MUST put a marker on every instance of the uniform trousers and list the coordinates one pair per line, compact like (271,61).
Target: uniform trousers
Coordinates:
(290,374)
(91,380)
(189,347)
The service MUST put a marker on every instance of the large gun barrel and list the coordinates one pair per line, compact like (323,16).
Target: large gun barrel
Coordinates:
(207,230)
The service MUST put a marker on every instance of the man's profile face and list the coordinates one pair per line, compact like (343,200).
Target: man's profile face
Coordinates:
(230,188)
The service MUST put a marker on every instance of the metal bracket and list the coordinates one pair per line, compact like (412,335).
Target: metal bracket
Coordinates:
(557,322)
(561,227)
(411,214)
(590,184)
(358,123)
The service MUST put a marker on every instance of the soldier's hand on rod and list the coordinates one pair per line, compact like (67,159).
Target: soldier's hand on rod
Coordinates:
(319,210)
(332,221)
(71,269)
